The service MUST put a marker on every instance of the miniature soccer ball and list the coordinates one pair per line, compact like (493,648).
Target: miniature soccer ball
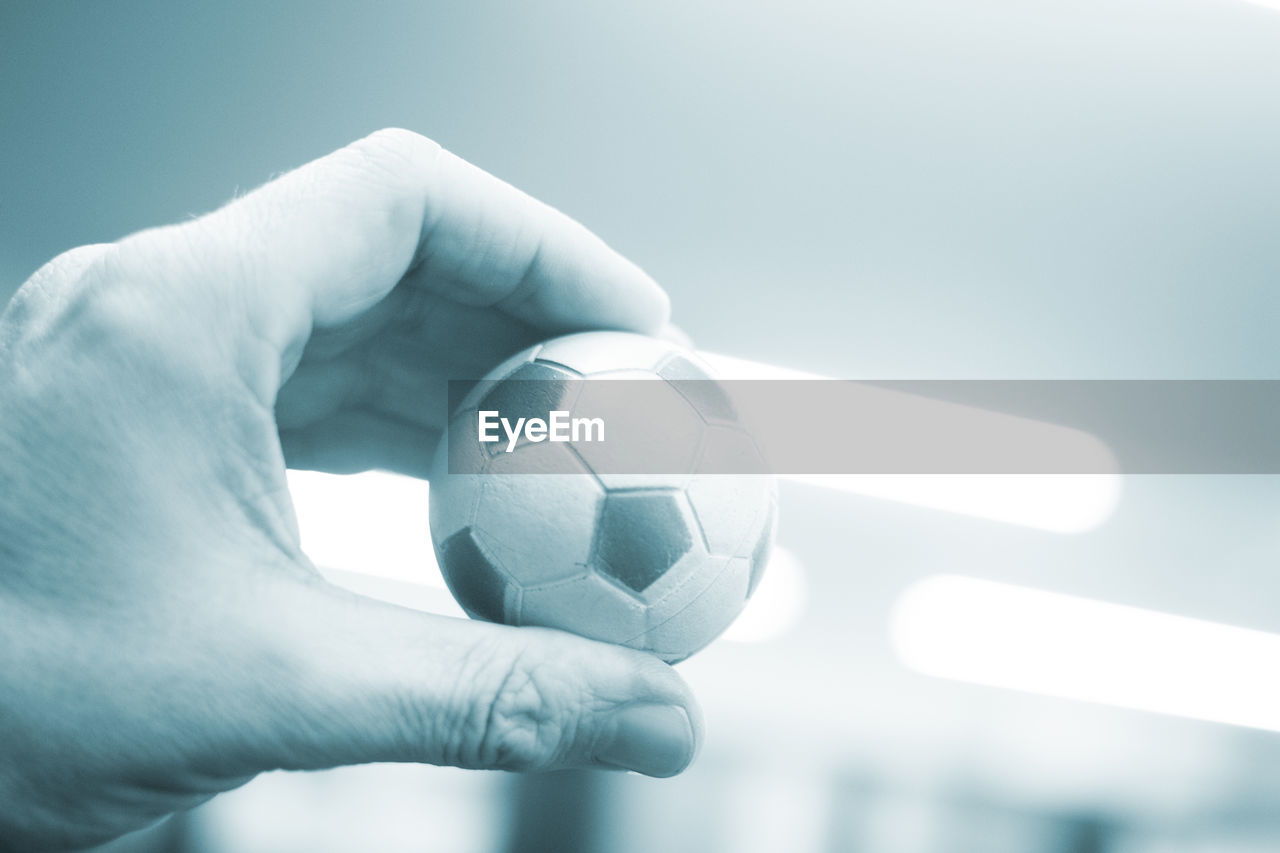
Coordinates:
(658,562)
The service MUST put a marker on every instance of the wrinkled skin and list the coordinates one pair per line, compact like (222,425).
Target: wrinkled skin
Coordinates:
(162,635)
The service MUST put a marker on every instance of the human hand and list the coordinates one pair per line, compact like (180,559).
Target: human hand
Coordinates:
(162,635)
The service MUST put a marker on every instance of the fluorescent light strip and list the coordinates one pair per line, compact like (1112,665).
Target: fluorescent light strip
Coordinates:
(1052,644)
(1059,503)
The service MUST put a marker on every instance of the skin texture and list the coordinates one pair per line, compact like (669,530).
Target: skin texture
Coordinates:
(162,635)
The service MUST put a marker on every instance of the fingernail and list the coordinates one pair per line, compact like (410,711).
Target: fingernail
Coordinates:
(656,740)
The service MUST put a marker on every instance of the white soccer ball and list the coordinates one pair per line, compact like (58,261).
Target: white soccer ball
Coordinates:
(662,563)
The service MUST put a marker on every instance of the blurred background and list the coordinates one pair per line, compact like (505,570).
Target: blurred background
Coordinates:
(862,189)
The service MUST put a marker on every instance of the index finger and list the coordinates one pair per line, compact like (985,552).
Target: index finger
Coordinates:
(487,243)
(322,244)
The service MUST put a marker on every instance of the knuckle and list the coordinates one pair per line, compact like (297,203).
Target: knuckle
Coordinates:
(395,159)
(58,310)
(113,321)
(58,284)
(399,142)
(377,190)
(520,728)
(75,265)
(525,716)
(162,304)
(101,311)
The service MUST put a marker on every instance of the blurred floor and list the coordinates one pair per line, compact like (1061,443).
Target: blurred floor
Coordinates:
(713,809)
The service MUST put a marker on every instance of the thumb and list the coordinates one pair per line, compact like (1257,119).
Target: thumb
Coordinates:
(377,682)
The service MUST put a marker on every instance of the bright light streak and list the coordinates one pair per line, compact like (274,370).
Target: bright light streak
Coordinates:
(1059,503)
(1059,645)
(730,367)
(776,604)
(372,524)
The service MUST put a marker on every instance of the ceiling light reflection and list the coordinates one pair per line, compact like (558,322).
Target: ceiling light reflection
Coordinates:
(1053,644)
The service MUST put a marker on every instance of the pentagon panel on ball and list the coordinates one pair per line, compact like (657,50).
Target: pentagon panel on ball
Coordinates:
(641,535)
(651,539)
(476,580)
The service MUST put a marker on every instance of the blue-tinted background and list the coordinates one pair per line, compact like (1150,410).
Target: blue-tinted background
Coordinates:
(910,188)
